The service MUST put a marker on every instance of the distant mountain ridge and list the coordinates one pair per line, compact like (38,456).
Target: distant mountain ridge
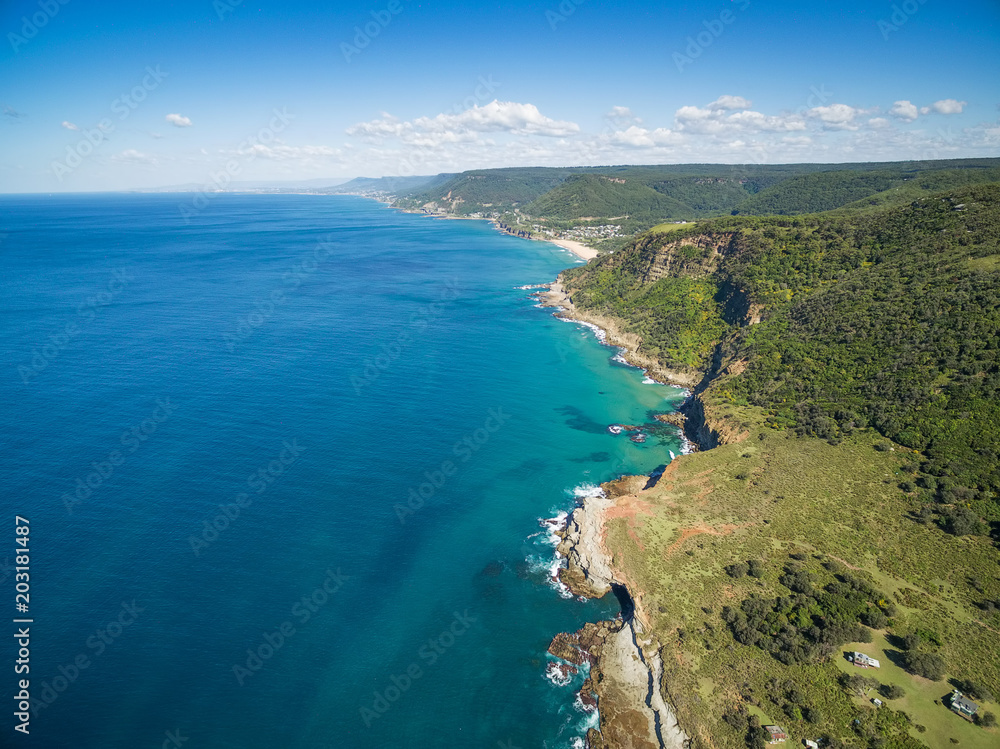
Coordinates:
(641,196)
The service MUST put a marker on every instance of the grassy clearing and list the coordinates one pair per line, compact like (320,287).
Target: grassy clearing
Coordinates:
(669,226)
(923,698)
(767,497)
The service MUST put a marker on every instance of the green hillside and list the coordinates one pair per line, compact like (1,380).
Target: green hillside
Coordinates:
(648,195)
(851,366)
(886,319)
(590,195)
(489,188)
(813,193)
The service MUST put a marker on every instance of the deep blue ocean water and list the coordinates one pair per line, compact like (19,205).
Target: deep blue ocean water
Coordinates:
(308,427)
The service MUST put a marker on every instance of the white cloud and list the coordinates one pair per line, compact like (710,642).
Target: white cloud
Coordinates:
(131,156)
(904,110)
(836,116)
(718,120)
(622,116)
(502,117)
(726,130)
(727,101)
(949,106)
(387,126)
(499,116)
(69,125)
(640,137)
(178,120)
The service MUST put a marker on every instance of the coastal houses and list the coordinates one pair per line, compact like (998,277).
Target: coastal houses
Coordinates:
(777,734)
(963,705)
(863,661)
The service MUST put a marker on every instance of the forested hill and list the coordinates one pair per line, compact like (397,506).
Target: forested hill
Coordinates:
(638,197)
(885,319)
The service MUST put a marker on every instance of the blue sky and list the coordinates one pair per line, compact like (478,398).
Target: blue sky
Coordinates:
(115,95)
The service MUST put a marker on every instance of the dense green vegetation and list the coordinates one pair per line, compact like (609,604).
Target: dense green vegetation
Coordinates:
(563,197)
(679,316)
(814,620)
(484,189)
(886,319)
(813,193)
(591,195)
(851,364)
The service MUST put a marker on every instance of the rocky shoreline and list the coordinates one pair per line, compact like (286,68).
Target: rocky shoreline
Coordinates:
(556,296)
(625,681)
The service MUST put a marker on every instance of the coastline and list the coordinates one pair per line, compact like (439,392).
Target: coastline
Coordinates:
(557,297)
(579,249)
(626,673)
(627,670)
(625,683)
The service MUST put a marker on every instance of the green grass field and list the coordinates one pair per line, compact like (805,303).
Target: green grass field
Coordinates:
(669,226)
(771,495)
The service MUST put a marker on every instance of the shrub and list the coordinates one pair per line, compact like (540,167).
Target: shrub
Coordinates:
(737,570)
(974,689)
(812,714)
(961,521)
(755,568)
(929,665)
(986,719)
(892,691)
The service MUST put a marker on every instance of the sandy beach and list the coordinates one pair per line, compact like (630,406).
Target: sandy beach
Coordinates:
(577,248)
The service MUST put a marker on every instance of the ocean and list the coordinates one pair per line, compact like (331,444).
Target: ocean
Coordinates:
(285,465)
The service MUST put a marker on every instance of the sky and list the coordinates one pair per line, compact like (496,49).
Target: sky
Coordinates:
(117,95)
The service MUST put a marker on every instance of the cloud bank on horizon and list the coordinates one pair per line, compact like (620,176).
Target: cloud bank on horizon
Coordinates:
(430,89)
(725,130)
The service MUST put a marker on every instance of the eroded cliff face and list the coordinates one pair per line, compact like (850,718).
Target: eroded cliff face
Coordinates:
(707,429)
(689,256)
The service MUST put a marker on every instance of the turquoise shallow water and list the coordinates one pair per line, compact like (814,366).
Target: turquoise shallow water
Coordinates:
(312,428)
